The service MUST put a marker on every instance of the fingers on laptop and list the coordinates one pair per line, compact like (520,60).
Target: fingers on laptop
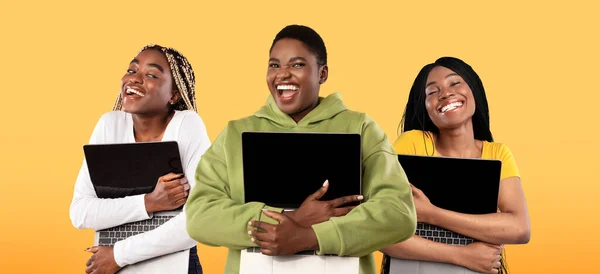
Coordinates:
(344,200)
(170,177)
(260,227)
(320,192)
(342,211)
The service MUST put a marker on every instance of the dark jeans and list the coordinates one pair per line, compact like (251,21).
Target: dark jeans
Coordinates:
(194,266)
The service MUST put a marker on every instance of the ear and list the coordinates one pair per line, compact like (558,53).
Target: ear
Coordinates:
(175,98)
(323,74)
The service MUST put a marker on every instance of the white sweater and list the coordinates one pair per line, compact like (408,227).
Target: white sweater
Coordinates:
(89,211)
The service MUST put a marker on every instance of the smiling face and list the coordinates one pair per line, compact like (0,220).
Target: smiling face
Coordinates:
(448,99)
(147,87)
(294,78)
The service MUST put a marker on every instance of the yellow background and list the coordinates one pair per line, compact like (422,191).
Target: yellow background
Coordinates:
(61,64)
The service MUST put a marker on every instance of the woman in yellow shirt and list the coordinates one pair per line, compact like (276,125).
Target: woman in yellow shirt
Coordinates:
(447,115)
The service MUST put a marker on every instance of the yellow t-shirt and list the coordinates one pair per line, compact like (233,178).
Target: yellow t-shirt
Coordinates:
(416,142)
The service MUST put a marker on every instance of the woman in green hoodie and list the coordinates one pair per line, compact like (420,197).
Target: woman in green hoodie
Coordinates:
(216,212)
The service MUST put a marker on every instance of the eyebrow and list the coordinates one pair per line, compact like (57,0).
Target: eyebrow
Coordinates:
(297,59)
(433,82)
(157,66)
(291,59)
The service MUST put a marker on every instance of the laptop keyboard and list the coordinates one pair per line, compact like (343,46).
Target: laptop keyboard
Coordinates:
(441,235)
(108,237)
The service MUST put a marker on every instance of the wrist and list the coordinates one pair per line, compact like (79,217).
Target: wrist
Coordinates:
(456,255)
(289,213)
(431,216)
(310,239)
(149,203)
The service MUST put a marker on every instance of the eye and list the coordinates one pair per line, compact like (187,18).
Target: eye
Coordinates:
(130,71)
(273,65)
(454,83)
(298,65)
(151,76)
(430,92)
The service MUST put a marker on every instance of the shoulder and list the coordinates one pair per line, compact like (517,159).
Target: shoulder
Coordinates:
(360,119)
(410,141)
(189,118)
(411,136)
(113,121)
(500,151)
(190,125)
(356,115)
(497,151)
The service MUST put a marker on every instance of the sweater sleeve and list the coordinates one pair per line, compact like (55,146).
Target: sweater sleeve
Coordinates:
(213,217)
(89,211)
(386,216)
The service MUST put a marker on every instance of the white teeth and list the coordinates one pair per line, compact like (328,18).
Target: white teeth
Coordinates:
(287,87)
(451,106)
(133,91)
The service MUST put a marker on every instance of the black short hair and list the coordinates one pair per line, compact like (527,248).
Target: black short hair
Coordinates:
(306,35)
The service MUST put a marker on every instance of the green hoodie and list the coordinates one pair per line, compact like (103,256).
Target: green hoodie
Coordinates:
(217,215)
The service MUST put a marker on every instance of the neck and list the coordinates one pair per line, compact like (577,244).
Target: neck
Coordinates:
(297,117)
(150,128)
(458,142)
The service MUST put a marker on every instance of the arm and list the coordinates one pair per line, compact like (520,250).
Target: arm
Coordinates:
(418,248)
(170,237)
(509,226)
(89,211)
(478,256)
(213,217)
(386,217)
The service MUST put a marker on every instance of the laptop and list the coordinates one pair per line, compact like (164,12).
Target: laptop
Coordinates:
(462,185)
(281,169)
(120,170)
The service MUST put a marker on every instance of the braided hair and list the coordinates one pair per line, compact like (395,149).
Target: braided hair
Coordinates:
(183,76)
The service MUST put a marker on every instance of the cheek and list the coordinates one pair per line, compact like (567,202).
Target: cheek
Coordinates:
(270,76)
(429,105)
(124,79)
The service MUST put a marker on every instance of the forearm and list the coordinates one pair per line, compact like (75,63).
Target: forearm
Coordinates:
(223,222)
(494,228)
(417,248)
(168,238)
(97,214)
(367,228)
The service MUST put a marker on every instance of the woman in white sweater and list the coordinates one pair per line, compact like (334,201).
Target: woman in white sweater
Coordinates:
(156,103)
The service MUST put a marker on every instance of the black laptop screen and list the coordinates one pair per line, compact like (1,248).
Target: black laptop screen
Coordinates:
(119,170)
(282,169)
(462,185)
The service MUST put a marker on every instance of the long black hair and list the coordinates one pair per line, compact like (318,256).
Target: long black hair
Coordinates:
(415,115)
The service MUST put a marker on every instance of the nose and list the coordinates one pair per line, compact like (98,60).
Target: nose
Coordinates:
(283,73)
(446,93)
(134,78)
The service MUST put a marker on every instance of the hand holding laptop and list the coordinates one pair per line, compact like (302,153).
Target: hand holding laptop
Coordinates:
(423,206)
(313,211)
(294,234)
(286,238)
(171,192)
